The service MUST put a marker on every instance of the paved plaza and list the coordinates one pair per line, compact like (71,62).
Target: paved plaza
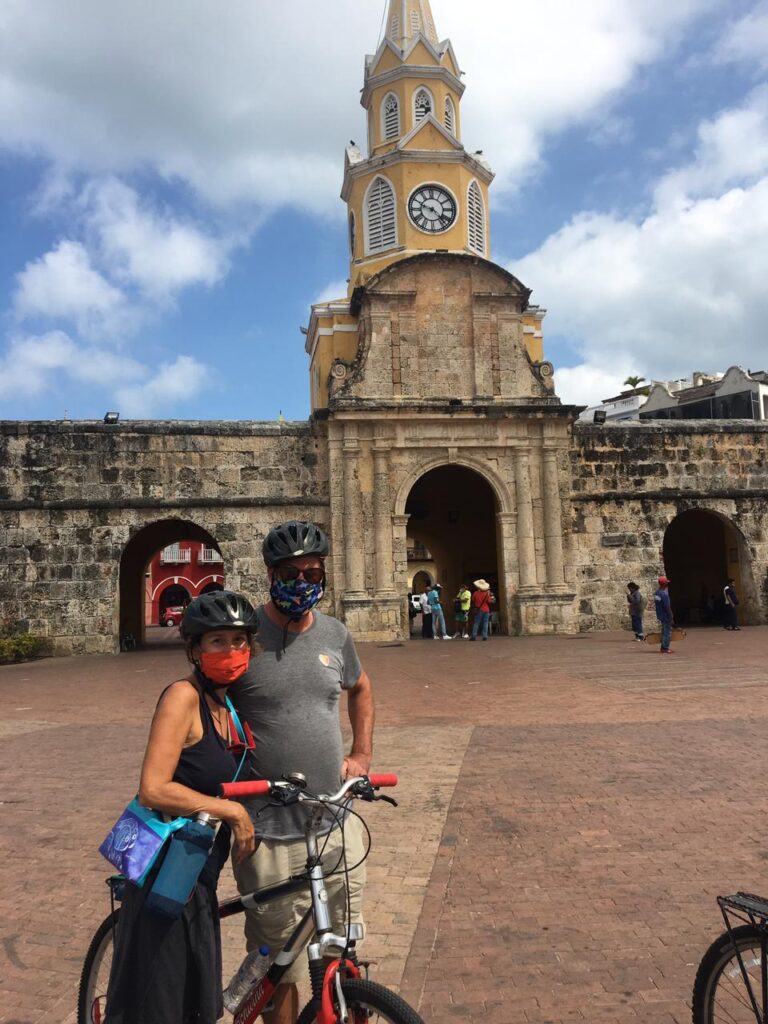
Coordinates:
(569,809)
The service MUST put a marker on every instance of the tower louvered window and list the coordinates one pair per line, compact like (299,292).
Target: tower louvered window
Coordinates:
(394,28)
(431,30)
(391,117)
(422,105)
(380,216)
(415,23)
(476,219)
(450,115)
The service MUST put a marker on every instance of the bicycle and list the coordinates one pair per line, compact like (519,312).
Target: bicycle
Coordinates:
(732,979)
(340,993)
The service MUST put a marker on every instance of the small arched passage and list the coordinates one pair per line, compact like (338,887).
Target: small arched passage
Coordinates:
(702,550)
(452,532)
(133,567)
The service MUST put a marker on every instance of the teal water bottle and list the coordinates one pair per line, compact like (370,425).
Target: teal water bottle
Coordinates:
(185,858)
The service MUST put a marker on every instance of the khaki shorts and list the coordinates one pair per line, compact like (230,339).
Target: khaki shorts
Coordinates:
(274,861)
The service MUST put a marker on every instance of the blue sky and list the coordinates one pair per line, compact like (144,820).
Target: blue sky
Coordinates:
(170,177)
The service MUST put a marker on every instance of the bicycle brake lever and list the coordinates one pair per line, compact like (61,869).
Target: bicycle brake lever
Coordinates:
(388,799)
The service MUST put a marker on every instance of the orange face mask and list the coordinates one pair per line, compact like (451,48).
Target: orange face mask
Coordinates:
(224,667)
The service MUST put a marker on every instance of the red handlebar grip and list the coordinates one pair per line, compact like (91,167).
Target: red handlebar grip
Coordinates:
(259,787)
(383,780)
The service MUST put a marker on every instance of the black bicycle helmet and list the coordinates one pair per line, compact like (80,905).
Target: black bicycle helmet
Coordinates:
(221,609)
(291,539)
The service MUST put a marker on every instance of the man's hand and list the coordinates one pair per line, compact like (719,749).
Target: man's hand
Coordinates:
(356,764)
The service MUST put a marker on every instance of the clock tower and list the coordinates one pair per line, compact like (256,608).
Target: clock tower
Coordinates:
(417,189)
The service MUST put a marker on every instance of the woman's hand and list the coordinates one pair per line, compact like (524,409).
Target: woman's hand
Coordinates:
(243,835)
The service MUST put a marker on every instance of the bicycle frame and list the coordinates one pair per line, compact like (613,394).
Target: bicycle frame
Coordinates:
(315,922)
(749,909)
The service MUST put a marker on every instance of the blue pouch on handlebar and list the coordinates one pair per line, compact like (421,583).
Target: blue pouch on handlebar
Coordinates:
(136,839)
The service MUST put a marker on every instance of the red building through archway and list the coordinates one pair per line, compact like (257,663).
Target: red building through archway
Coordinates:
(178,573)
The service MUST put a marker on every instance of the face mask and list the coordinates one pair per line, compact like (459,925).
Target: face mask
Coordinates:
(224,667)
(295,597)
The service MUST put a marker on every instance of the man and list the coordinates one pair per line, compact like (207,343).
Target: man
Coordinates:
(461,605)
(731,602)
(664,613)
(426,614)
(482,599)
(438,616)
(290,697)
(636,603)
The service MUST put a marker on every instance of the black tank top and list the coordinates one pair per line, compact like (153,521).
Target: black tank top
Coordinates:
(203,767)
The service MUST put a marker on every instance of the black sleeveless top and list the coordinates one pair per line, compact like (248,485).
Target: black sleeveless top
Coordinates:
(203,767)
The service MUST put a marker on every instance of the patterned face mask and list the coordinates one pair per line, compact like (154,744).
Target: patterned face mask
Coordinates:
(295,597)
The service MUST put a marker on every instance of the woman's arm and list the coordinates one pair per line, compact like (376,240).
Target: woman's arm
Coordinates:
(172,725)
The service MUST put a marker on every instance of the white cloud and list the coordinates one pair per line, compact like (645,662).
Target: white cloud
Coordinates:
(155,251)
(333,290)
(683,288)
(747,38)
(589,385)
(34,364)
(255,101)
(63,284)
(174,383)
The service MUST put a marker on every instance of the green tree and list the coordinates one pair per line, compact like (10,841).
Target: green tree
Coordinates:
(633,381)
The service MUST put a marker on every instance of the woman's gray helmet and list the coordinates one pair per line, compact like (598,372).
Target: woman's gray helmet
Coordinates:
(293,539)
(221,609)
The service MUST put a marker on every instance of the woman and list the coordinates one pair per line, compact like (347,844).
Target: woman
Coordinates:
(169,972)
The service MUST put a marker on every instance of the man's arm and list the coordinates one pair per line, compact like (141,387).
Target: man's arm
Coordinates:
(361,717)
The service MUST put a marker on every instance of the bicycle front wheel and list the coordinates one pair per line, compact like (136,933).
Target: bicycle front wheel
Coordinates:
(92,994)
(368,1003)
(720,992)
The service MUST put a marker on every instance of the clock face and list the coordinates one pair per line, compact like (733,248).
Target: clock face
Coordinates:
(432,208)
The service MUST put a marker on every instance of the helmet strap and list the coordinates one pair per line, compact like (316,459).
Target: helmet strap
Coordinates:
(208,685)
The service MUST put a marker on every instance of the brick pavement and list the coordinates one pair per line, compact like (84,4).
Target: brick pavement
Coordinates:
(569,809)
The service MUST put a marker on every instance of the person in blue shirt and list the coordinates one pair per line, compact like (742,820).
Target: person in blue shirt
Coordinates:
(438,616)
(664,613)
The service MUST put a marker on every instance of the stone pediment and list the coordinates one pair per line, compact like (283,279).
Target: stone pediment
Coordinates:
(441,326)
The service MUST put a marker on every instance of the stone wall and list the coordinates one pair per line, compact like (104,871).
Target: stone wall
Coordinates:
(73,495)
(629,481)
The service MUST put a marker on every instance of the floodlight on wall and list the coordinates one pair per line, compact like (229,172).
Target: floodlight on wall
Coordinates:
(112,417)
(599,415)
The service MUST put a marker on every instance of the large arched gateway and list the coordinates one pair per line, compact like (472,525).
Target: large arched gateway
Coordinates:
(452,530)
(702,551)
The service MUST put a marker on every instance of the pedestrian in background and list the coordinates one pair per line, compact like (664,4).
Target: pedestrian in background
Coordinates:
(461,605)
(664,614)
(426,615)
(438,615)
(481,602)
(636,603)
(731,600)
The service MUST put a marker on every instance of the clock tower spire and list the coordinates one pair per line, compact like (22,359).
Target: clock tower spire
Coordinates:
(415,188)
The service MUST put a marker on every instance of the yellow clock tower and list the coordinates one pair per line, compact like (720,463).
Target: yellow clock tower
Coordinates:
(417,189)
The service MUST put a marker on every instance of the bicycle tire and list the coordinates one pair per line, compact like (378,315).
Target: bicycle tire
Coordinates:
(368,996)
(100,945)
(719,992)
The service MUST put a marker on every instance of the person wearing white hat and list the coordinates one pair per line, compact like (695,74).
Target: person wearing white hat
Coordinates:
(482,599)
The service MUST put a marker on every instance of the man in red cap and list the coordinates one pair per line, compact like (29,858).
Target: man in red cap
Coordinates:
(664,613)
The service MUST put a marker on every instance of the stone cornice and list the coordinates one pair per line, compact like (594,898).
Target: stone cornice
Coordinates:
(421,156)
(75,504)
(673,494)
(164,428)
(415,71)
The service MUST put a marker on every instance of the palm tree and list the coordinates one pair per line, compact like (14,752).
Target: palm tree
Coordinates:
(633,381)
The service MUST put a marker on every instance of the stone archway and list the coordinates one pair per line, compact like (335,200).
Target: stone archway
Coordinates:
(452,533)
(702,550)
(133,566)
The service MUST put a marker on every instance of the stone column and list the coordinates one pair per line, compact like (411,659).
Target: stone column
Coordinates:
(525,541)
(506,536)
(382,522)
(553,525)
(353,518)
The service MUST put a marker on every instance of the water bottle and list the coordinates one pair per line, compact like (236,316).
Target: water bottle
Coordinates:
(185,858)
(250,971)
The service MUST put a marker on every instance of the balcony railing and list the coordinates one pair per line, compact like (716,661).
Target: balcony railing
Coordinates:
(210,555)
(174,555)
(419,554)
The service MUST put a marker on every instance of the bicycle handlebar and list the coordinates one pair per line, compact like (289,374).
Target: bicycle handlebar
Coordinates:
(262,787)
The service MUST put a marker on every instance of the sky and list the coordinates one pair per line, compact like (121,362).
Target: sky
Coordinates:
(170,176)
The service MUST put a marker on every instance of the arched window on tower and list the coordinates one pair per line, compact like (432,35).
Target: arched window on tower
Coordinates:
(450,115)
(380,221)
(475,219)
(390,117)
(394,28)
(415,21)
(422,105)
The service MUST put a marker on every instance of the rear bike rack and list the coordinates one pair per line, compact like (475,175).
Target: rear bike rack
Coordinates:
(749,909)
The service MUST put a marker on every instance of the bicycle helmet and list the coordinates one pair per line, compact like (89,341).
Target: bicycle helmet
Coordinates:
(291,539)
(221,609)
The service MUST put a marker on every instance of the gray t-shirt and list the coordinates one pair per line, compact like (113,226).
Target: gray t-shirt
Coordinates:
(290,699)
